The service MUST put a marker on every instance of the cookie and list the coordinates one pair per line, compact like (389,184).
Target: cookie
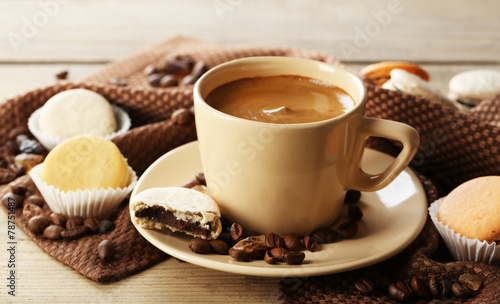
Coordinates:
(471,87)
(177,209)
(473,209)
(380,72)
(85,162)
(76,112)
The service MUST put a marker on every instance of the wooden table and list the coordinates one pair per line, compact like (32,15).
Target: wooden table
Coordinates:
(40,38)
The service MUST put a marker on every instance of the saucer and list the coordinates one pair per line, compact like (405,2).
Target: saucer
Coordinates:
(392,218)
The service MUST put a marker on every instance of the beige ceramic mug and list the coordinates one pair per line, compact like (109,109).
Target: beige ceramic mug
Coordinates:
(290,178)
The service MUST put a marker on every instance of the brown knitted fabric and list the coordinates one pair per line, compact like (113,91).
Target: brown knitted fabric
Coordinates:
(455,147)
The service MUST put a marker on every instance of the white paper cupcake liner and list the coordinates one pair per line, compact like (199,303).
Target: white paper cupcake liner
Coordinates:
(123,123)
(84,203)
(462,248)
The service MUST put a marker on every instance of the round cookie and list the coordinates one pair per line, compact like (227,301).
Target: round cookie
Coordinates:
(85,162)
(75,112)
(473,209)
(380,72)
(472,87)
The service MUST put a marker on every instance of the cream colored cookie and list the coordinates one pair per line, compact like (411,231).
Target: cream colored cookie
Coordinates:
(178,209)
(473,209)
(472,87)
(85,162)
(77,112)
(380,72)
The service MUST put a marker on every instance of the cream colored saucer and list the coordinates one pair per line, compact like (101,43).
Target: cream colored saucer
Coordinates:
(393,218)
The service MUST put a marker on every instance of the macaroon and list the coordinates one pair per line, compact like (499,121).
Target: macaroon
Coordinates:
(471,87)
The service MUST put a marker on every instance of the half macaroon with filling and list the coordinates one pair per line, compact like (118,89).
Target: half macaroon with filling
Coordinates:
(177,209)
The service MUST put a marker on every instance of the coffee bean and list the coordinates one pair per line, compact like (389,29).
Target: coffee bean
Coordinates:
(461,291)
(199,245)
(269,259)
(293,257)
(31,210)
(62,75)
(399,294)
(105,226)
(237,232)
(12,201)
(176,67)
(121,82)
(189,79)
(58,219)
(226,237)
(154,79)
(436,287)
(257,252)
(348,229)
(38,223)
(75,232)
(382,283)
(200,176)
(404,286)
(181,116)
(354,212)
(168,81)
(219,246)
(273,240)
(364,286)
(17,188)
(292,242)
(420,289)
(188,61)
(53,232)
(191,183)
(92,223)
(352,196)
(150,69)
(74,221)
(105,250)
(325,236)
(239,255)
(6,175)
(310,243)
(470,280)
(17,169)
(35,199)
(199,69)
(278,253)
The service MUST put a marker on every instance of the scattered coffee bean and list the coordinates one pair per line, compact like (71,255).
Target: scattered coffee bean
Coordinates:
(191,183)
(200,176)
(17,169)
(31,210)
(226,237)
(404,286)
(257,252)
(325,236)
(293,257)
(239,255)
(364,286)
(269,259)
(437,287)
(150,69)
(11,200)
(461,291)
(53,232)
(352,196)
(237,232)
(292,242)
(310,243)
(6,175)
(38,223)
(354,212)
(105,226)
(420,289)
(399,294)
(199,245)
(17,188)
(219,246)
(175,67)
(199,69)
(105,250)
(273,240)
(35,199)
(92,223)
(278,253)
(154,79)
(181,116)
(470,280)
(168,81)
(62,75)
(58,219)
(74,221)
(189,79)
(74,233)
(348,229)
(121,82)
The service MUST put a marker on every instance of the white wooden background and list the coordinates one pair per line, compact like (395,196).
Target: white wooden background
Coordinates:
(40,38)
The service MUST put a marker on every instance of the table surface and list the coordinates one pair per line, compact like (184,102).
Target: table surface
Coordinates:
(41,38)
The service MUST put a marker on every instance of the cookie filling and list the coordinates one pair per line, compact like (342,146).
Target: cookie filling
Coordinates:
(167,217)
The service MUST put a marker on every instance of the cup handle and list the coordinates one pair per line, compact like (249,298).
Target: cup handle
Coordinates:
(407,135)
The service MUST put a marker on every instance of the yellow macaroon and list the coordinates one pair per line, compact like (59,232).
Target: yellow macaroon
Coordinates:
(85,162)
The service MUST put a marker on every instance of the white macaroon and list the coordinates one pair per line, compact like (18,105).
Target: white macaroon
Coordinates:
(151,208)
(471,87)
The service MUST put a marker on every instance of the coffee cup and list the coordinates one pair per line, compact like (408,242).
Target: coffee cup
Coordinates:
(290,178)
